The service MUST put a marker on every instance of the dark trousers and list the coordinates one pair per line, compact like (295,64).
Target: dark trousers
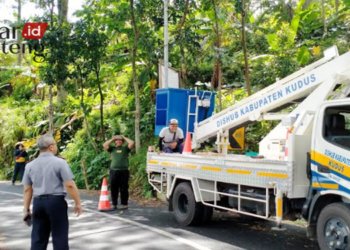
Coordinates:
(178,149)
(50,216)
(19,170)
(119,182)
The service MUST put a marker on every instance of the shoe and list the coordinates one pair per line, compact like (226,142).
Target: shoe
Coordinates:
(115,207)
(123,207)
(13,183)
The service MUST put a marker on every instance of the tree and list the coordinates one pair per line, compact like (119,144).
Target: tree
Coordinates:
(222,47)
(134,76)
(243,9)
(216,80)
(58,21)
(90,57)
(132,42)
(181,33)
(19,35)
(62,6)
(82,67)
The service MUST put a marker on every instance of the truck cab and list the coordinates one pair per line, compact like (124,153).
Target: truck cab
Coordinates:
(327,208)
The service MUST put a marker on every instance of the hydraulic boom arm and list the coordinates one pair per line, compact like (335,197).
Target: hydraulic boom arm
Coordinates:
(296,86)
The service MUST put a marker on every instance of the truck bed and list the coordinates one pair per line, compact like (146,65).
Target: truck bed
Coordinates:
(235,169)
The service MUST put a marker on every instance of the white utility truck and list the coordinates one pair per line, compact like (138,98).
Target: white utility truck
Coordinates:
(303,167)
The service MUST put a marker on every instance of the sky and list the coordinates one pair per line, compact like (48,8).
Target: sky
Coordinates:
(9,7)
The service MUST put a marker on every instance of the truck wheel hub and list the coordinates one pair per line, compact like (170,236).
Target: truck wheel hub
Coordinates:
(183,204)
(336,234)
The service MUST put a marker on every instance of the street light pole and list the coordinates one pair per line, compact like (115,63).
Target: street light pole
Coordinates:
(166,43)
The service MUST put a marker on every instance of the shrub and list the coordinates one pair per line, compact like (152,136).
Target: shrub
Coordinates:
(85,161)
(22,88)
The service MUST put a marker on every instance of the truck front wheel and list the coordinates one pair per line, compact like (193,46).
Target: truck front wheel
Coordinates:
(186,210)
(333,227)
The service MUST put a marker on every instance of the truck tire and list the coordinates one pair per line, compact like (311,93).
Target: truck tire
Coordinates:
(333,227)
(186,210)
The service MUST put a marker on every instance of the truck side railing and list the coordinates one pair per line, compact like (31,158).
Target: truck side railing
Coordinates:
(239,196)
(157,181)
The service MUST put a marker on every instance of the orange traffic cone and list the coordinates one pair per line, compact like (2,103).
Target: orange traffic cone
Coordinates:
(104,204)
(188,144)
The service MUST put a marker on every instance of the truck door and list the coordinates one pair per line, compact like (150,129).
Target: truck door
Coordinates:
(330,155)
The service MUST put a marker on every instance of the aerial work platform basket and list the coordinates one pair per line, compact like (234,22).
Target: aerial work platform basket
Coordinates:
(187,106)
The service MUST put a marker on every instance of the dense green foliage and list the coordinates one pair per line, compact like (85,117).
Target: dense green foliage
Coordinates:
(89,68)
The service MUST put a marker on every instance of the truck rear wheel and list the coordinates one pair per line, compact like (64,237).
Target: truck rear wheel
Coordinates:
(186,210)
(333,227)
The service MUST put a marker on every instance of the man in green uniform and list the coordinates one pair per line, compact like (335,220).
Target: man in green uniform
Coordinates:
(119,168)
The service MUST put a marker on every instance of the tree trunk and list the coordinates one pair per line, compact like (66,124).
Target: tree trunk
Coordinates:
(83,168)
(82,105)
(245,52)
(183,73)
(43,93)
(61,92)
(306,4)
(324,18)
(217,72)
(62,6)
(97,73)
(51,128)
(183,18)
(290,10)
(134,79)
(216,81)
(219,85)
(336,6)
(19,35)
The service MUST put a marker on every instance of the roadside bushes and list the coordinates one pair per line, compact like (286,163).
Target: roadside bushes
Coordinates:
(23,88)
(18,122)
(139,181)
(88,165)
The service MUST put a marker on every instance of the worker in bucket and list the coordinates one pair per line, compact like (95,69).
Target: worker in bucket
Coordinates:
(171,138)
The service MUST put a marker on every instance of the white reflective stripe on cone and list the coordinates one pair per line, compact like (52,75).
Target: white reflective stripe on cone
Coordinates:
(104,198)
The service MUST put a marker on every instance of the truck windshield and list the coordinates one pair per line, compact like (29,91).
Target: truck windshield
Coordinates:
(337,125)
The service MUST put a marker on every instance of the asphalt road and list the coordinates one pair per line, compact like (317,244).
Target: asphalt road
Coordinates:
(142,227)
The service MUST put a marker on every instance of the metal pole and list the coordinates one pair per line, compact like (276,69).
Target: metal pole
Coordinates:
(166,41)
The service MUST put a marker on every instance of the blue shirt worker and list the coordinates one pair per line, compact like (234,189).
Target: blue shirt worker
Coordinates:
(21,158)
(119,169)
(171,138)
(47,179)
